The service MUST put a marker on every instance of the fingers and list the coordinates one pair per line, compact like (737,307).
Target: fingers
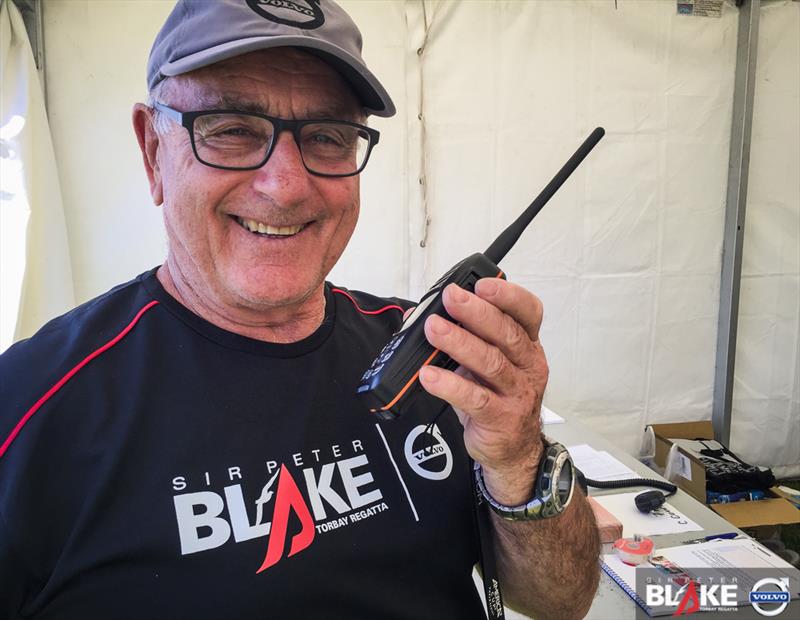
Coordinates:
(515,301)
(486,361)
(497,391)
(505,315)
(498,430)
(464,395)
(491,344)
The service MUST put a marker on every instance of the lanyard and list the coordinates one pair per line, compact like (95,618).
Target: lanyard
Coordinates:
(483,526)
(491,584)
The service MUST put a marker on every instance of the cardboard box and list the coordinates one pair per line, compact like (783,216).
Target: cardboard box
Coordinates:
(773,511)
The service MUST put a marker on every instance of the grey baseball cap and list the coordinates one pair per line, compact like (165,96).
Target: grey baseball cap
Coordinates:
(201,32)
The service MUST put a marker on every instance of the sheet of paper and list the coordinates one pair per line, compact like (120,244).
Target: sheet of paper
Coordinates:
(742,558)
(665,520)
(551,417)
(626,572)
(684,466)
(716,561)
(599,465)
(700,8)
(741,553)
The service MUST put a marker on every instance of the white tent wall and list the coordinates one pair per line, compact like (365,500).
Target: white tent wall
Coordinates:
(627,255)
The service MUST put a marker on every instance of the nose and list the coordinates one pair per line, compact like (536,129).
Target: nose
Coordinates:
(283,177)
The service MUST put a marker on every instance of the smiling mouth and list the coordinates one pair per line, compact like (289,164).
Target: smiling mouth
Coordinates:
(265,230)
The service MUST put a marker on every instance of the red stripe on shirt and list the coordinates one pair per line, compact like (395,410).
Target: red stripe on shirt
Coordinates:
(61,382)
(361,310)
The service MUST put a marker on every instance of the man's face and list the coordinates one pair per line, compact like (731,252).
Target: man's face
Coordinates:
(206,210)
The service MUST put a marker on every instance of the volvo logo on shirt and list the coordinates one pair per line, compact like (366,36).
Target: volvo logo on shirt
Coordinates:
(427,452)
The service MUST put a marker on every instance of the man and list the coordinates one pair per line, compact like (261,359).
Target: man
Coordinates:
(190,443)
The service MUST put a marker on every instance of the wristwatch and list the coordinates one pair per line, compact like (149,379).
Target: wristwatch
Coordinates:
(555,484)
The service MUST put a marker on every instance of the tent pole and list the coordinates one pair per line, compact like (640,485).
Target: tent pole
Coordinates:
(31,11)
(736,202)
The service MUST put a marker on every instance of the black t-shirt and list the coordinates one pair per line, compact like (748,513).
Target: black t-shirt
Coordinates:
(156,466)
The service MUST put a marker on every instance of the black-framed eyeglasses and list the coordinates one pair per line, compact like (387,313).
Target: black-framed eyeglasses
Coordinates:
(235,140)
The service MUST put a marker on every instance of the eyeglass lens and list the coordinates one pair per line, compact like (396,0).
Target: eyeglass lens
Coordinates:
(242,141)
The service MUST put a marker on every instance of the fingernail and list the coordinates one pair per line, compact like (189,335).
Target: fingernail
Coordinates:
(429,374)
(486,286)
(458,294)
(439,325)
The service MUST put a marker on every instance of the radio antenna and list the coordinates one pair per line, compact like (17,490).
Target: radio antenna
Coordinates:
(509,236)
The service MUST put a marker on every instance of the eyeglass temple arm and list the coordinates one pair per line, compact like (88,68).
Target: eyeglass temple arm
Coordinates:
(173,114)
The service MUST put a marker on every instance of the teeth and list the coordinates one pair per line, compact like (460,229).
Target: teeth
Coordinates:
(266,229)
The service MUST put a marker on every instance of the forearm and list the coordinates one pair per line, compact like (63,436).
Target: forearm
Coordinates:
(549,568)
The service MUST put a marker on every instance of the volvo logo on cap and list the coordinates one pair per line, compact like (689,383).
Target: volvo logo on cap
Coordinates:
(428,453)
(304,14)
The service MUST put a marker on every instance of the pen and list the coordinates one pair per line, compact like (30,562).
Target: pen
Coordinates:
(727,535)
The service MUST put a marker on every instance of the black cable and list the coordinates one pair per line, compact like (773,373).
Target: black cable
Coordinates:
(646,502)
(428,431)
(632,482)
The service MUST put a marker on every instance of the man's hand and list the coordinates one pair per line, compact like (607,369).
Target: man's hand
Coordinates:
(497,392)
(547,568)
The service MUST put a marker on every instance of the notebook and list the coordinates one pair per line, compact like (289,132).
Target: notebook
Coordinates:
(711,562)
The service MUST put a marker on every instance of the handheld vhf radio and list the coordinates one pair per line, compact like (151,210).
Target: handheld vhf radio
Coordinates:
(391,382)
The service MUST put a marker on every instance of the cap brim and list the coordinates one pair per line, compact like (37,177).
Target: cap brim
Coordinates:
(372,94)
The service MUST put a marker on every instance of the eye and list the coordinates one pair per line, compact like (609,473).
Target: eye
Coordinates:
(327,137)
(235,131)
(228,130)
(233,128)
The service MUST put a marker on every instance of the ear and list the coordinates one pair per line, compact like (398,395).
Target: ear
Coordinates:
(149,142)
